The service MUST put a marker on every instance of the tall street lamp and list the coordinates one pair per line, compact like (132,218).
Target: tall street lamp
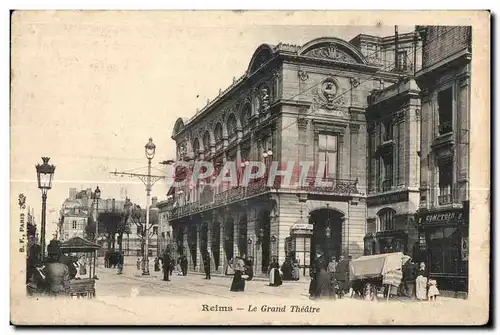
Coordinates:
(97,196)
(150,149)
(44,172)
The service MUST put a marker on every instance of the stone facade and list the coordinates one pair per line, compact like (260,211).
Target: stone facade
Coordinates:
(393,168)
(294,103)
(444,153)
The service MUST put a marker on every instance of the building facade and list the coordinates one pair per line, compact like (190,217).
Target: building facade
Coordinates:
(393,118)
(74,214)
(294,104)
(444,153)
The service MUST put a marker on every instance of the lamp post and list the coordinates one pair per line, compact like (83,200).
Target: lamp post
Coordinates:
(97,196)
(45,173)
(150,149)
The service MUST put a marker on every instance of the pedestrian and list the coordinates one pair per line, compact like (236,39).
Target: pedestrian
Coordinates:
(184,265)
(323,287)
(138,263)
(409,277)
(157,264)
(230,266)
(56,281)
(433,290)
(421,283)
(166,266)
(172,265)
(120,262)
(295,269)
(342,275)
(206,265)
(249,268)
(238,283)
(275,276)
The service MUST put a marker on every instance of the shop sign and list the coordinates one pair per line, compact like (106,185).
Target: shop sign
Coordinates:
(455,216)
(387,199)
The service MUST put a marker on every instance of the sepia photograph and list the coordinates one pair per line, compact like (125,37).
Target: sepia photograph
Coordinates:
(249,168)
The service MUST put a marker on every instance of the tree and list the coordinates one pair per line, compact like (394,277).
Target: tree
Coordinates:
(137,216)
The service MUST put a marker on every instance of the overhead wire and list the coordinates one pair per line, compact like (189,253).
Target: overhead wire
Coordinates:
(361,82)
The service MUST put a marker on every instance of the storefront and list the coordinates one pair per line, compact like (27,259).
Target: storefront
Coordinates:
(444,240)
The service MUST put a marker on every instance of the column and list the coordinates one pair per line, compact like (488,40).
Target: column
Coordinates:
(223,261)
(252,250)
(344,162)
(209,245)
(403,132)
(236,234)
(462,132)
(198,267)
(345,235)
(426,131)
(185,242)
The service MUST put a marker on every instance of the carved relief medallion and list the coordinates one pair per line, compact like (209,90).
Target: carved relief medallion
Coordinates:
(327,95)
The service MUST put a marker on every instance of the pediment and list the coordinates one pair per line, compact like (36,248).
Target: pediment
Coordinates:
(330,52)
(333,49)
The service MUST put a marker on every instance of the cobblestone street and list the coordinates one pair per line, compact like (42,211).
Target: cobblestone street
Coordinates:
(132,283)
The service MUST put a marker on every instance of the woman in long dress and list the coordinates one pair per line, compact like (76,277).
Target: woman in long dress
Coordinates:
(421,284)
(323,288)
(274,274)
(238,283)
(295,270)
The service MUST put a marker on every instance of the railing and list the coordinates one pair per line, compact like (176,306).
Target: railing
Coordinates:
(258,187)
(444,199)
(445,128)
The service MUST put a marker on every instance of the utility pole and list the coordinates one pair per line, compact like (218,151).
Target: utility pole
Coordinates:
(148,180)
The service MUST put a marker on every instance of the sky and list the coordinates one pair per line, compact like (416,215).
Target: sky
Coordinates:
(88,89)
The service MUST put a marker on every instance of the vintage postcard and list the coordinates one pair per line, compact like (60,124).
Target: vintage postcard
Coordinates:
(250,168)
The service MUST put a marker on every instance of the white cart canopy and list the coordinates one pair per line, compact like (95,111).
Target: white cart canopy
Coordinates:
(377,265)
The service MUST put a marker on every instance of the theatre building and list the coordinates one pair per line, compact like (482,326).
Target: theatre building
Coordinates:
(443,219)
(294,103)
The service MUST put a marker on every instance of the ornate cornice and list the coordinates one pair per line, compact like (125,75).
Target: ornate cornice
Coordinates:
(354,127)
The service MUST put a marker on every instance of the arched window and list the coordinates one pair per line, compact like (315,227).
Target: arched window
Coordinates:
(245,115)
(231,125)
(206,141)
(196,147)
(386,217)
(218,133)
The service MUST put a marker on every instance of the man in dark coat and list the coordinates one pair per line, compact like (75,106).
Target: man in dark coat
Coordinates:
(166,266)
(342,275)
(206,264)
(184,265)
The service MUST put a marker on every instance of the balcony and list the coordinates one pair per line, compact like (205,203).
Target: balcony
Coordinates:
(444,199)
(259,187)
(386,185)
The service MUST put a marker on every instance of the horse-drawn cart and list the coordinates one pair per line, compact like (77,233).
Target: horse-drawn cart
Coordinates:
(84,287)
(370,274)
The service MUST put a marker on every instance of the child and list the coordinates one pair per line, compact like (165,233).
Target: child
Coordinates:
(433,290)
